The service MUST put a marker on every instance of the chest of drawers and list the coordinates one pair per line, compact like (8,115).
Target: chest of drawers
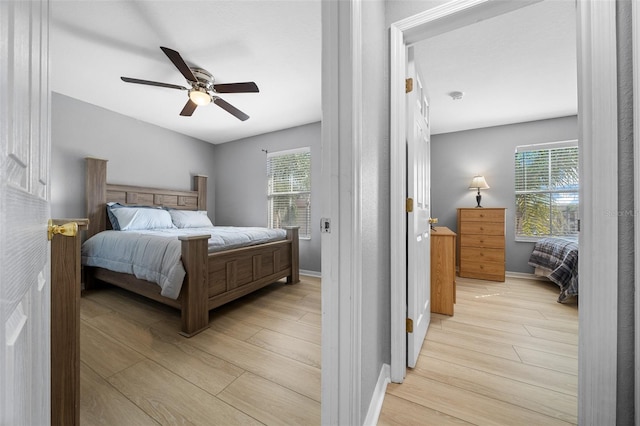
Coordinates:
(481,243)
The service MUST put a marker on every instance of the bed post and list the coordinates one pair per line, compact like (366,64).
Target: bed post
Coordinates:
(194,296)
(200,185)
(96,199)
(292,235)
(96,194)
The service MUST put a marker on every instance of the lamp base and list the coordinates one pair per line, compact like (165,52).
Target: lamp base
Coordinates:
(478,198)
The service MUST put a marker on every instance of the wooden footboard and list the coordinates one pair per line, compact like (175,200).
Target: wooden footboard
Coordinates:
(218,278)
(212,279)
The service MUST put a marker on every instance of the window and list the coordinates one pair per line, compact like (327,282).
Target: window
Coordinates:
(289,190)
(546,187)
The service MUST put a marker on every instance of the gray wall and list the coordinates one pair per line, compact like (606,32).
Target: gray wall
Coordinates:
(457,157)
(376,270)
(138,153)
(626,411)
(241,184)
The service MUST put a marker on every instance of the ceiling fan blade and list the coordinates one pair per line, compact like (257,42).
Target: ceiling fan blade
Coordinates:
(230,109)
(179,63)
(247,87)
(188,109)
(152,83)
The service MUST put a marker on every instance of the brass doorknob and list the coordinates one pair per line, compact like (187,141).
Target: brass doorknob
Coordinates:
(433,220)
(68,229)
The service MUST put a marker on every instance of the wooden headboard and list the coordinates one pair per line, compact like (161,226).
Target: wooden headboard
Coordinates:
(99,192)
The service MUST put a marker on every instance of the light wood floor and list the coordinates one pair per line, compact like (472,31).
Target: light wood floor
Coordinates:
(508,356)
(258,363)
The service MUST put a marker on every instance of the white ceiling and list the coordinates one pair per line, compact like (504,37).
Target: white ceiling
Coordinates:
(515,67)
(512,68)
(273,43)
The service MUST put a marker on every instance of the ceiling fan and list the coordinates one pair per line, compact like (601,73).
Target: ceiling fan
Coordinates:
(203,89)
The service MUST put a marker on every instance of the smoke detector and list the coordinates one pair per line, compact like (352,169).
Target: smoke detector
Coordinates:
(456,96)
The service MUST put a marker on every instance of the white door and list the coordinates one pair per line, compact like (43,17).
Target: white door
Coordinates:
(24,211)
(418,213)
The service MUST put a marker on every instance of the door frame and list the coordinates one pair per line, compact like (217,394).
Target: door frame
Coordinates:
(341,264)
(597,120)
(635,22)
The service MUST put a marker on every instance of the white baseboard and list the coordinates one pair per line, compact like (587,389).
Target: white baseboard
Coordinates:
(524,275)
(314,274)
(378,396)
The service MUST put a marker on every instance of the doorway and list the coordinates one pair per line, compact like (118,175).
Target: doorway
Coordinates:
(596,122)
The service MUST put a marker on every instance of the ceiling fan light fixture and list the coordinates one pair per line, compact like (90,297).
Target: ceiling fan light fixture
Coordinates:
(199,97)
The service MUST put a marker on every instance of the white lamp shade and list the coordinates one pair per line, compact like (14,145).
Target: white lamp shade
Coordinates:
(200,98)
(478,182)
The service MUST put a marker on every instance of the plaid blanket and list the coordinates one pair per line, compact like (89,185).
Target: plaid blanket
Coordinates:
(561,257)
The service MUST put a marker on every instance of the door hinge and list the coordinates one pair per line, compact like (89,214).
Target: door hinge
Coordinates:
(409,325)
(409,206)
(408,85)
(578,225)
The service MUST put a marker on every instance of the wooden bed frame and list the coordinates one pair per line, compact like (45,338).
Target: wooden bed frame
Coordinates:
(212,279)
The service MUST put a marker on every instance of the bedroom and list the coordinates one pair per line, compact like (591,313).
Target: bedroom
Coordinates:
(374,366)
(540,97)
(141,152)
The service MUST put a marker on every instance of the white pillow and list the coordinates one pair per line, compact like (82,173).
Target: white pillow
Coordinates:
(134,218)
(190,219)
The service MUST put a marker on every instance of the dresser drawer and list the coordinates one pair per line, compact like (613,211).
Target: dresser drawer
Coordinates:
(473,254)
(481,228)
(482,270)
(480,240)
(482,215)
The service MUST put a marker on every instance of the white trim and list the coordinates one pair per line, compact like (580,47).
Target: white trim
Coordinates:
(353,194)
(330,247)
(314,274)
(524,276)
(547,145)
(373,414)
(398,226)
(598,267)
(635,21)
(342,248)
(289,152)
(446,17)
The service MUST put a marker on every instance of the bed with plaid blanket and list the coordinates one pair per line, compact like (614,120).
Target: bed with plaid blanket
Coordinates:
(560,257)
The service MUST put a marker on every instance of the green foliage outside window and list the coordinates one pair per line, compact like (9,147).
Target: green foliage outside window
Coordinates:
(289,190)
(546,190)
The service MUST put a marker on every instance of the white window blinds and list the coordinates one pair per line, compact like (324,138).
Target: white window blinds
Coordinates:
(289,190)
(546,190)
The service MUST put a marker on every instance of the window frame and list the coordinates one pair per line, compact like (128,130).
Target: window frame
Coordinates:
(547,146)
(271,196)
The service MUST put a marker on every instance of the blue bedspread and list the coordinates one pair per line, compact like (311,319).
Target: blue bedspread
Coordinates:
(155,255)
(560,256)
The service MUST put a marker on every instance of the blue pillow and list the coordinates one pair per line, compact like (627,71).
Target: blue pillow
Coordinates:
(190,218)
(130,218)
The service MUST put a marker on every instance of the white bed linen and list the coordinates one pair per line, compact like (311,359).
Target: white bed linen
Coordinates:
(155,255)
